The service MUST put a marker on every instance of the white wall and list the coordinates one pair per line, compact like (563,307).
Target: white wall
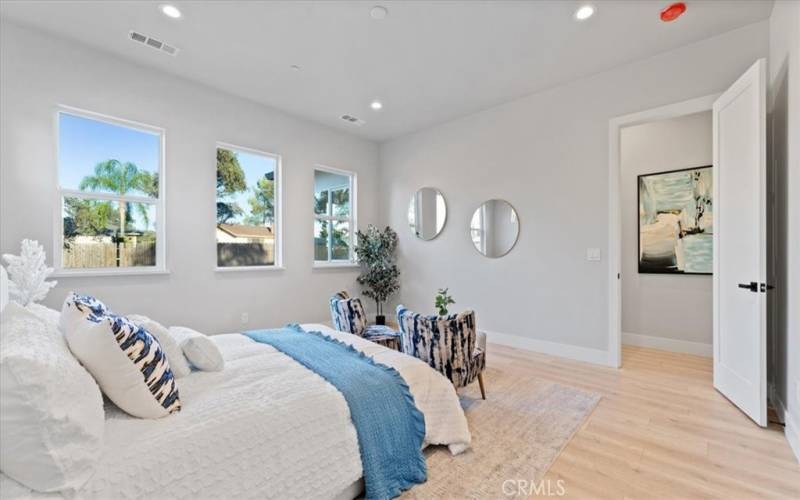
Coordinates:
(547,154)
(676,308)
(40,72)
(784,170)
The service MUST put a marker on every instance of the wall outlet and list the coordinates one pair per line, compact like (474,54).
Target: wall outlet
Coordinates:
(593,254)
(245,318)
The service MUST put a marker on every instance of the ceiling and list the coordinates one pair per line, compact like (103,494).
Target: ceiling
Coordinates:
(427,61)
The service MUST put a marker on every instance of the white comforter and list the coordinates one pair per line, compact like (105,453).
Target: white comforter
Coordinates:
(265,427)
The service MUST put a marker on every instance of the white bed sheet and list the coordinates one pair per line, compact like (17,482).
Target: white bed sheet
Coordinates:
(265,427)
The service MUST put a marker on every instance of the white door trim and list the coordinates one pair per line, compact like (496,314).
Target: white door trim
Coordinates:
(615,126)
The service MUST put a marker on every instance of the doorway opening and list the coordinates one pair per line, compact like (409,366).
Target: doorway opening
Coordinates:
(667,206)
(660,223)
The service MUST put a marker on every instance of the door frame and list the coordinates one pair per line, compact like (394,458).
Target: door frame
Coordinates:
(615,126)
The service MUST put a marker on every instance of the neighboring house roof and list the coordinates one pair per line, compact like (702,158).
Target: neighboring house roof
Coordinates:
(246,231)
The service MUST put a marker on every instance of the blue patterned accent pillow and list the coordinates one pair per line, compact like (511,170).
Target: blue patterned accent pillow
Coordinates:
(126,360)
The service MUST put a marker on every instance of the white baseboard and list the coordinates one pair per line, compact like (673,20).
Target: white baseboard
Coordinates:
(665,344)
(568,351)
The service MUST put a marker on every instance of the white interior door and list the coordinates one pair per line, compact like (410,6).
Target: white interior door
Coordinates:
(740,244)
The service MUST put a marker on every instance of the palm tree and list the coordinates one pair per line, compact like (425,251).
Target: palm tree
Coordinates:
(121,178)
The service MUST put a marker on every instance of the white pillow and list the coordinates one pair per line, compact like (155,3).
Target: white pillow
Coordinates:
(127,362)
(177,360)
(200,350)
(51,317)
(51,410)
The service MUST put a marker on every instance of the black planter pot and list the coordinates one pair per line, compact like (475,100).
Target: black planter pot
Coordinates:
(380,319)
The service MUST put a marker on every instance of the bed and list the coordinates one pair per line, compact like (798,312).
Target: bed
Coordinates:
(265,427)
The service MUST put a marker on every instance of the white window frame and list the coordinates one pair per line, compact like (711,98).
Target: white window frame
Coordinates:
(353,218)
(277,230)
(160,203)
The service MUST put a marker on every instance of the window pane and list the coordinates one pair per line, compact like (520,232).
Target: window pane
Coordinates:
(245,208)
(94,238)
(339,187)
(340,240)
(102,157)
(321,239)
(340,201)
(321,202)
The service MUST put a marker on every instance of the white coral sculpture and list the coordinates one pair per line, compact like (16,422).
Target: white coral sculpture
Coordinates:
(28,273)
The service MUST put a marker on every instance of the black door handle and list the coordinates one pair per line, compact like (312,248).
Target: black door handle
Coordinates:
(752,286)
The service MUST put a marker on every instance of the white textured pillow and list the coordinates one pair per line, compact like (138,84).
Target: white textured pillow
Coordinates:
(51,317)
(51,410)
(177,360)
(200,350)
(127,362)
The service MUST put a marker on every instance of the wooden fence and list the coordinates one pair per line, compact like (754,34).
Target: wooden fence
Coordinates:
(245,254)
(104,254)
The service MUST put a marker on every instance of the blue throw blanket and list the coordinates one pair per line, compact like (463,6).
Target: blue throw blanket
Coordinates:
(389,426)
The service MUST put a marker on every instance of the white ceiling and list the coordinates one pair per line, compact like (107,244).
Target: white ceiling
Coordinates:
(428,61)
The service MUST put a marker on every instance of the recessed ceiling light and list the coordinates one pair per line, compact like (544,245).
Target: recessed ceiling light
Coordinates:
(584,12)
(376,105)
(170,11)
(378,12)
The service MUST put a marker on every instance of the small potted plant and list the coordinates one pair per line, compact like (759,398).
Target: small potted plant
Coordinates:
(379,273)
(443,299)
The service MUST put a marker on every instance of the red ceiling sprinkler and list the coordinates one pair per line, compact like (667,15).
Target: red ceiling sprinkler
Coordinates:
(673,12)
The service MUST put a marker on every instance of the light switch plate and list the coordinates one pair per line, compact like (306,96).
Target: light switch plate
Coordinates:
(593,254)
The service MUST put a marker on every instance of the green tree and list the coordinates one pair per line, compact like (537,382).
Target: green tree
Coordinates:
(262,202)
(87,217)
(121,178)
(340,201)
(230,180)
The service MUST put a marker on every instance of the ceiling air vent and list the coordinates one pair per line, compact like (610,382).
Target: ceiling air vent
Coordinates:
(353,120)
(153,43)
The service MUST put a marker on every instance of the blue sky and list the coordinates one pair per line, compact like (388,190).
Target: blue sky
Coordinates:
(83,143)
(254,166)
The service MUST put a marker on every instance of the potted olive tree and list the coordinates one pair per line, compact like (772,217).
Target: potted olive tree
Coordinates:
(379,273)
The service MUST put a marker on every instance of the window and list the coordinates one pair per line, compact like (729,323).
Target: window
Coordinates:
(248,207)
(110,198)
(334,215)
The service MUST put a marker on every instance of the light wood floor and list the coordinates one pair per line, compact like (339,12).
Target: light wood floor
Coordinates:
(660,431)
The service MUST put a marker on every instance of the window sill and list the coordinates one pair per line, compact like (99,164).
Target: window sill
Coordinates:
(90,273)
(238,269)
(336,265)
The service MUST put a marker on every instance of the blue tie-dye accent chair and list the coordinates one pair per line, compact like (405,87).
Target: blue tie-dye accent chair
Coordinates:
(449,344)
(348,315)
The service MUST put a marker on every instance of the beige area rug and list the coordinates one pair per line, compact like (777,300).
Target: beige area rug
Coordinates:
(517,434)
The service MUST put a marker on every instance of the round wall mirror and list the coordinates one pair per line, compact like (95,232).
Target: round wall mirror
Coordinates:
(427,213)
(494,228)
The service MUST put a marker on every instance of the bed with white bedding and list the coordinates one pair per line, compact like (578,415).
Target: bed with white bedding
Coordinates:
(265,427)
